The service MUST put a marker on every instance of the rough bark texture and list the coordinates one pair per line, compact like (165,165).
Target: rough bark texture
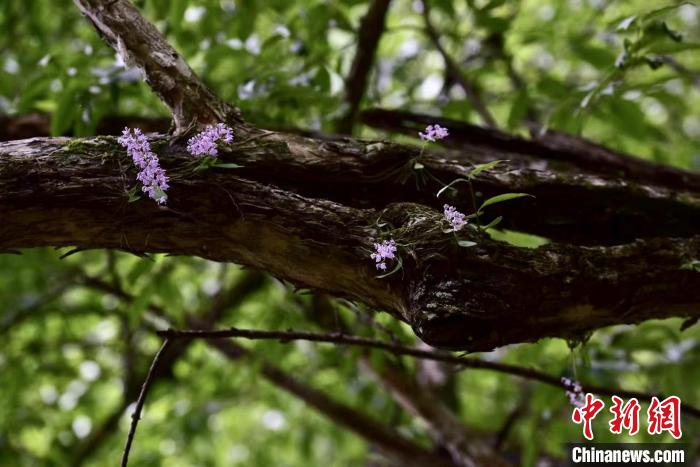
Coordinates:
(308,210)
(63,192)
(140,45)
(549,146)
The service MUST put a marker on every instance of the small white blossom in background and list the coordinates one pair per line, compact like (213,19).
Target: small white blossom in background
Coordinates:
(574,391)
(434,133)
(454,217)
(383,251)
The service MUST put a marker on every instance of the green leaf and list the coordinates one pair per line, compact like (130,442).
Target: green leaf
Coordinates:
(399,265)
(466,243)
(501,198)
(205,163)
(66,112)
(134,194)
(518,111)
(668,47)
(449,185)
(481,167)
(227,165)
(493,223)
(161,194)
(653,14)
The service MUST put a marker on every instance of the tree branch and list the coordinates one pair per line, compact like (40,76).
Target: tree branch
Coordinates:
(141,400)
(454,70)
(63,192)
(221,302)
(445,427)
(357,341)
(550,146)
(465,448)
(392,444)
(369,34)
(297,213)
(141,45)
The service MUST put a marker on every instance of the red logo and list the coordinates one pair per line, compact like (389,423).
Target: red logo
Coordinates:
(587,413)
(626,416)
(665,416)
(662,416)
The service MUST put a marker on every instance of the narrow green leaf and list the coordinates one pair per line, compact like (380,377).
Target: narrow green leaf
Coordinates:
(227,165)
(668,47)
(449,185)
(493,223)
(134,194)
(501,198)
(399,265)
(663,10)
(466,243)
(67,110)
(481,167)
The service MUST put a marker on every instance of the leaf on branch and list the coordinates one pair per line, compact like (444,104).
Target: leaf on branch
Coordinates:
(134,194)
(493,223)
(449,185)
(227,165)
(501,198)
(653,14)
(466,243)
(399,265)
(481,167)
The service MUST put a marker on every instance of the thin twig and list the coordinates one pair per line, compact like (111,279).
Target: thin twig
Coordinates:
(357,341)
(142,398)
(453,69)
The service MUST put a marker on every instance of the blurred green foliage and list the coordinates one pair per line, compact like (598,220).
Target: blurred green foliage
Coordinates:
(619,72)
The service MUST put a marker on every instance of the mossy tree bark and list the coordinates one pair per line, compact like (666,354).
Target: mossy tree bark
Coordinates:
(308,209)
(286,212)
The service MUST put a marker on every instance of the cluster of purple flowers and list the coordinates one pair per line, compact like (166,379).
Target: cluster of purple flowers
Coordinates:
(204,143)
(151,175)
(433,133)
(574,391)
(382,252)
(454,217)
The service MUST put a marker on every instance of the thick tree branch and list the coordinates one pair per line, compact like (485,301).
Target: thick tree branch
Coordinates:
(550,146)
(73,193)
(141,45)
(307,211)
(369,34)
(574,207)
